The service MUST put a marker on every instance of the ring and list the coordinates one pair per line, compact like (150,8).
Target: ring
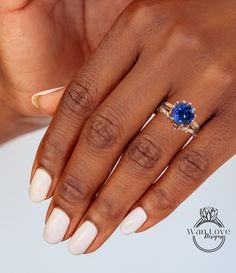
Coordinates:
(182,115)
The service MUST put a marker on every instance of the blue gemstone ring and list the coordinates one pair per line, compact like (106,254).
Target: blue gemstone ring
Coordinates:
(182,115)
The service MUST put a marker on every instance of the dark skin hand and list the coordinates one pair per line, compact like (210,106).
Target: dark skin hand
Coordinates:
(156,51)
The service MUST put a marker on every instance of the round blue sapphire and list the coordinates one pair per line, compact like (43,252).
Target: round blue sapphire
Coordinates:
(182,113)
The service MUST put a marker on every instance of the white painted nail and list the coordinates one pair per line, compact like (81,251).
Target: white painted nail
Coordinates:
(56,226)
(40,186)
(83,238)
(133,221)
(35,97)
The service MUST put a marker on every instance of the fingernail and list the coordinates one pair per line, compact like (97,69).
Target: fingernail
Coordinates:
(82,238)
(35,97)
(133,221)
(40,186)
(56,226)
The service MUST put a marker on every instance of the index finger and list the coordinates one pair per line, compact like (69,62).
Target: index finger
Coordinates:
(108,65)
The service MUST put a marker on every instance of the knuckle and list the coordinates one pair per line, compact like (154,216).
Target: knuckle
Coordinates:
(146,16)
(187,39)
(140,10)
(222,77)
(192,164)
(79,98)
(143,153)
(161,199)
(71,191)
(53,146)
(103,131)
(143,11)
(105,208)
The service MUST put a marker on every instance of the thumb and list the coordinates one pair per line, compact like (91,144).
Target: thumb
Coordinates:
(47,101)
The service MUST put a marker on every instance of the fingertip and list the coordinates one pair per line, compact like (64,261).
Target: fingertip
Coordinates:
(47,101)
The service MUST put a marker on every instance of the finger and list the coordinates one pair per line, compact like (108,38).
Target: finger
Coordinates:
(104,137)
(92,84)
(144,160)
(48,100)
(214,145)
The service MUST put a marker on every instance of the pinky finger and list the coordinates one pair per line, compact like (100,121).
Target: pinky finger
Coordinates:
(214,145)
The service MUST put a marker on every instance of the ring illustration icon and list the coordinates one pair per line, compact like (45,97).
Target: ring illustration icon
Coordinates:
(209,233)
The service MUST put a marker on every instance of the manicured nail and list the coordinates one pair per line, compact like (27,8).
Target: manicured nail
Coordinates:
(35,97)
(83,238)
(56,226)
(40,186)
(133,221)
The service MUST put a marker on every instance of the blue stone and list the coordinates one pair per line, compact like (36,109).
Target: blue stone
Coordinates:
(182,113)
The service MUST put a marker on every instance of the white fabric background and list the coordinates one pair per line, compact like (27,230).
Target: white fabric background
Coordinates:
(166,248)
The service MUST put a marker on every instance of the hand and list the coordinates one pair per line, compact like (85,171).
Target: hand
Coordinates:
(156,51)
(43,43)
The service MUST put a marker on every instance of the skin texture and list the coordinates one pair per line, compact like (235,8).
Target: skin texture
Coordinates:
(43,43)
(157,50)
